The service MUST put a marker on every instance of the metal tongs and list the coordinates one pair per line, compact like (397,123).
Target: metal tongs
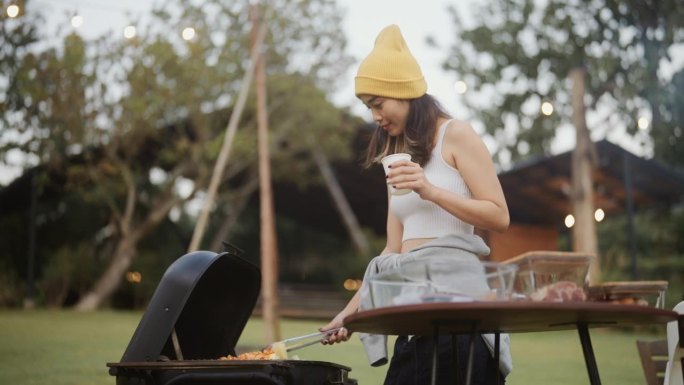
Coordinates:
(299,342)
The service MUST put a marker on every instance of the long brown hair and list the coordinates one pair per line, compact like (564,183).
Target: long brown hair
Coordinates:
(417,139)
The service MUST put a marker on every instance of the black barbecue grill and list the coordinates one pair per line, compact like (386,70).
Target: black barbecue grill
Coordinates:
(195,316)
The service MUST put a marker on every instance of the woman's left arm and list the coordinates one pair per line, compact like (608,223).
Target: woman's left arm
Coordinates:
(487,208)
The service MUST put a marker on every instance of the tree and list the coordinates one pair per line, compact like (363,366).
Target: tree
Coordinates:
(669,141)
(515,55)
(146,113)
(519,54)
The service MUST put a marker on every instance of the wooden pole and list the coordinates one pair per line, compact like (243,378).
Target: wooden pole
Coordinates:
(584,237)
(29,301)
(269,241)
(222,160)
(351,223)
(629,200)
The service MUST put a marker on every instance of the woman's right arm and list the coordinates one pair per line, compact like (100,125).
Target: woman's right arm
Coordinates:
(394,234)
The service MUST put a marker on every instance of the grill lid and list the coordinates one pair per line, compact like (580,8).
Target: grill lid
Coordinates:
(206,298)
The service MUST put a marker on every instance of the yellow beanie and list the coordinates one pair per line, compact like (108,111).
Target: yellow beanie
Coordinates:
(390,70)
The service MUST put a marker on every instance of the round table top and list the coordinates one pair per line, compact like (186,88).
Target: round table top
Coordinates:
(421,319)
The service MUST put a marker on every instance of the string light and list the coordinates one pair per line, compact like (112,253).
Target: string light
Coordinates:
(129,32)
(188,33)
(643,123)
(13,11)
(77,21)
(547,108)
(599,215)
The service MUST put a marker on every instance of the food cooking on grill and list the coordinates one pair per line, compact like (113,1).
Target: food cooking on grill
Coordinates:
(274,352)
(266,354)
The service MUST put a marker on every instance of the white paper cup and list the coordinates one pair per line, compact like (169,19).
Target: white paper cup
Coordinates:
(389,159)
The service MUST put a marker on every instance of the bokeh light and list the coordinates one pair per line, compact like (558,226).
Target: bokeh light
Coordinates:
(188,33)
(599,215)
(129,32)
(352,284)
(13,11)
(133,277)
(569,221)
(461,87)
(77,21)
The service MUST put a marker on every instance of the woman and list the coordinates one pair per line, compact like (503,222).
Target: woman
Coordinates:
(454,189)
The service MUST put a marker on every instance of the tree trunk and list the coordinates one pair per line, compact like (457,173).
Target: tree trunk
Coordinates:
(584,237)
(125,250)
(224,153)
(110,280)
(269,246)
(357,236)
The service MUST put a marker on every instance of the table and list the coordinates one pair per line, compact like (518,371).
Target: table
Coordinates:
(433,319)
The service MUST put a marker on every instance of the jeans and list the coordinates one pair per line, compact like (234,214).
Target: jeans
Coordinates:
(412,362)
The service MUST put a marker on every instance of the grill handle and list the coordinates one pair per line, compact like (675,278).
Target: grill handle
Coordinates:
(232,249)
(197,378)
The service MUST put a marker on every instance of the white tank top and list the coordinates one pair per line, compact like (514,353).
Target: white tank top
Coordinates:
(424,219)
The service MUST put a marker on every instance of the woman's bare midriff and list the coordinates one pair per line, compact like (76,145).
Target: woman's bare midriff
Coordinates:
(411,244)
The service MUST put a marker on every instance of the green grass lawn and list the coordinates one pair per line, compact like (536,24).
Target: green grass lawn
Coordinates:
(64,347)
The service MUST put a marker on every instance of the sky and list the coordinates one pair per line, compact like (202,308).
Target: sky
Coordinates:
(364,19)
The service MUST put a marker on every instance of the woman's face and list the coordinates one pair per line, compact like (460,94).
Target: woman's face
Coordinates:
(390,114)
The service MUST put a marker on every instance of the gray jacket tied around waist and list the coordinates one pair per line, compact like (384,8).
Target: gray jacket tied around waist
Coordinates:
(440,255)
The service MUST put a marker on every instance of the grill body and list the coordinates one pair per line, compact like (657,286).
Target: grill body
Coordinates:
(286,372)
(197,314)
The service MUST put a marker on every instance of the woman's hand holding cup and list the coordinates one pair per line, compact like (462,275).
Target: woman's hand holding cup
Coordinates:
(387,161)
